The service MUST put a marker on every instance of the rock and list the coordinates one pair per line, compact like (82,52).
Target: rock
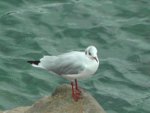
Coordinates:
(62,102)
(17,110)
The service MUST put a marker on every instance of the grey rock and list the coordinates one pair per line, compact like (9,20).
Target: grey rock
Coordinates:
(62,102)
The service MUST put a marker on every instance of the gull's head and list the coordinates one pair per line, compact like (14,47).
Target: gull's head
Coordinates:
(91,52)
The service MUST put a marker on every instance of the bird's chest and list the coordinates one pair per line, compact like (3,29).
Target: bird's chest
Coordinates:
(91,67)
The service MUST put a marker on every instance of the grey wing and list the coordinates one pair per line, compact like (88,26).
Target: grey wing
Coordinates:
(47,62)
(66,68)
(62,65)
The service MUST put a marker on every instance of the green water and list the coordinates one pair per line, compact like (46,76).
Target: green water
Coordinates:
(120,29)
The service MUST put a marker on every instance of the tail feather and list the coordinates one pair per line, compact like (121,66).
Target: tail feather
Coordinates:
(34,62)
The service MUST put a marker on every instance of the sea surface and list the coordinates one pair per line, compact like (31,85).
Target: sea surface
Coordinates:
(120,29)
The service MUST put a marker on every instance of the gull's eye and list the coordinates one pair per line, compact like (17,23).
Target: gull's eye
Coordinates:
(90,54)
(86,52)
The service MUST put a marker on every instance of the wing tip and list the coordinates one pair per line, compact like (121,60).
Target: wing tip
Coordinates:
(33,62)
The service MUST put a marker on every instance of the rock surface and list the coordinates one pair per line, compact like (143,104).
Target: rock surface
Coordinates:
(62,102)
(17,110)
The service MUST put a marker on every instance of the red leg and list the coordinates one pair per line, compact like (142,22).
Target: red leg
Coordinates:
(72,84)
(77,87)
(76,93)
(73,92)
(76,83)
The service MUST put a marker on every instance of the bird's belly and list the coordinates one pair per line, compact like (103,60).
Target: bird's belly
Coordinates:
(77,76)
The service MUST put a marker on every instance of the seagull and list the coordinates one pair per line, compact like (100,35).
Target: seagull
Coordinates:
(73,66)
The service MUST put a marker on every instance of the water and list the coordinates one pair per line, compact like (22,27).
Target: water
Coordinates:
(120,29)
